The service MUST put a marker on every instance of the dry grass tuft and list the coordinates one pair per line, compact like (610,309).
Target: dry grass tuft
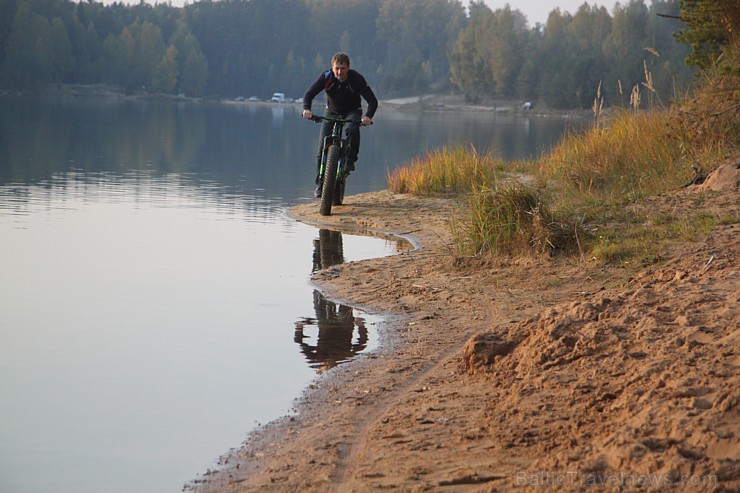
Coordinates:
(445,171)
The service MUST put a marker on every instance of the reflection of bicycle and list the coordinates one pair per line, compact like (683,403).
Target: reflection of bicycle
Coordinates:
(335,341)
(327,250)
(332,169)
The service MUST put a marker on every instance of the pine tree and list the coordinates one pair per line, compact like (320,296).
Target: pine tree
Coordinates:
(711,25)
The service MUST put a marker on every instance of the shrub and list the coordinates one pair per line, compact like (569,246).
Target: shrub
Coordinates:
(512,218)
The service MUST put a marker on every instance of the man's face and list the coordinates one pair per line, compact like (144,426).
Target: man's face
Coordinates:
(340,70)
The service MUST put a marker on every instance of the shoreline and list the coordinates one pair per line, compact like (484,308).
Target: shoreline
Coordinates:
(478,378)
(434,103)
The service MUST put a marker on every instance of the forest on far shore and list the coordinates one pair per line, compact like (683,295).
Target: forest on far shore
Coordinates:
(233,48)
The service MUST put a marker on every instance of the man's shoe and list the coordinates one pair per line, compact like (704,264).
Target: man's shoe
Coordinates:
(317,192)
(350,167)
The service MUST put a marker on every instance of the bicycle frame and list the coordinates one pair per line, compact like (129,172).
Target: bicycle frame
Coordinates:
(334,138)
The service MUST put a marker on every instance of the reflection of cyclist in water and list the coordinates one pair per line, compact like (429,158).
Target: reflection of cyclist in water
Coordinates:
(334,342)
(336,322)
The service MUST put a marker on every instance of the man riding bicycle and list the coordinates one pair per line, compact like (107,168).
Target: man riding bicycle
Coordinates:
(343,87)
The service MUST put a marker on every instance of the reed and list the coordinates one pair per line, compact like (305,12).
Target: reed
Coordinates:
(628,156)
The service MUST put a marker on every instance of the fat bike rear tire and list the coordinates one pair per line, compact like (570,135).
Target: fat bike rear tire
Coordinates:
(339,190)
(330,180)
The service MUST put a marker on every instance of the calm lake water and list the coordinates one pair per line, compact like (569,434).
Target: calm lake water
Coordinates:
(155,303)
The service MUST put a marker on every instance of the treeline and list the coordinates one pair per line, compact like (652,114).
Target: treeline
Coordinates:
(404,47)
(565,62)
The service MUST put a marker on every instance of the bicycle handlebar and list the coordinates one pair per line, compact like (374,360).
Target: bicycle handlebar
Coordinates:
(319,119)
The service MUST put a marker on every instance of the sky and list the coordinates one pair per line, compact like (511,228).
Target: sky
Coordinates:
(538,10)
(535,10)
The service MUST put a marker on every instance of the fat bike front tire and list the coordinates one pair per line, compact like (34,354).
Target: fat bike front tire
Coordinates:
(330,180)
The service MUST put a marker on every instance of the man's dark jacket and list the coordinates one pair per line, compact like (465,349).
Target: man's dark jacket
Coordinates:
(342,96)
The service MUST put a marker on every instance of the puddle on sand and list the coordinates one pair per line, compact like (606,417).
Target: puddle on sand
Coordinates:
(336,333)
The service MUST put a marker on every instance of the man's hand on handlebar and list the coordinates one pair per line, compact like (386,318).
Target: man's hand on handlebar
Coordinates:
(307,114)
(366,120)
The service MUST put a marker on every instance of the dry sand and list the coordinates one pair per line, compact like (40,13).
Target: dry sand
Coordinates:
(518,373)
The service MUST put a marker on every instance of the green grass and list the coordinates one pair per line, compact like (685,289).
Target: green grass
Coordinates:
(641,240)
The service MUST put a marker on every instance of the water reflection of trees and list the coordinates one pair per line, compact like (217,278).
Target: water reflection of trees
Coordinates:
(216,151)
(335,341)
(43,136)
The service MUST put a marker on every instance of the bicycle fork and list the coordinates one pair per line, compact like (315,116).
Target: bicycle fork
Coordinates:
(330,140)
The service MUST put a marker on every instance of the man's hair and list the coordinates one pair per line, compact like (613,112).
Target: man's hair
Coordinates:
(339,59)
